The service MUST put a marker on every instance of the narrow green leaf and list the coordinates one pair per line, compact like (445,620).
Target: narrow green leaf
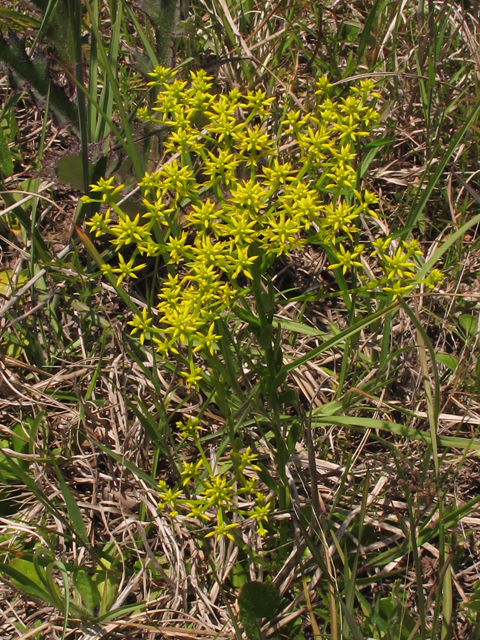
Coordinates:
(76,520)
(6,162)
(32,486)
(352,624)
(145,42)
(433,403)
(46,21)
(131,467)
(444,247)
(20,19)
(367,31)
(298,327)
(24,219)
(447,606)
(354,422)
(121,611)
(342,336)
(61,602)
(107,68)
(76,23)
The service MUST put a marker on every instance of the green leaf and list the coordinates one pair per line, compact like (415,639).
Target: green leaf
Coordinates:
(6,164)
(24,576)
(36,73)
(108,590)
(468,323)
(151,482)
(250,624)
(354,422)
(20,19)
(443,248)
(294,434)
(262,599)
(70,171)
(368,29)
(474,603)
(343,335)
(257,600)
(47,19)
(426,192)
(239,573)
(447,360)
(87,589)
(298,327)
(32,486)
(109,67)
(76,520)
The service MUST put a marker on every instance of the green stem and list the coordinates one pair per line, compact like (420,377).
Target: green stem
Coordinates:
(265,339)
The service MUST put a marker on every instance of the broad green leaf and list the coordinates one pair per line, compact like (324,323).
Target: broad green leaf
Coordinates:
(35,71)
(469,323)
(24,576)
(447,360)
(70,171)
(261,599)
(87,589)
(474,603)
(257,600)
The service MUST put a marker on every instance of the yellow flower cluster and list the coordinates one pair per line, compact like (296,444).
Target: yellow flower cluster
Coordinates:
(218,498)
(227,200)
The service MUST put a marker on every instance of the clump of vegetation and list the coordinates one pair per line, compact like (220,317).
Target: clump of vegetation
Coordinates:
(224,205)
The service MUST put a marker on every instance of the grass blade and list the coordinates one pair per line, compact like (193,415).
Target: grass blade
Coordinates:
(354,422)
(76,520)
(343,335)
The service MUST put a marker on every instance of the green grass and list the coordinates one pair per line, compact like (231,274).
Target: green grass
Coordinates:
(365,425)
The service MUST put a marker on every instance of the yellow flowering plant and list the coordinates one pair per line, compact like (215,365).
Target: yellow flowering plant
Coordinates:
(236,190)
(222,497)
(216,225)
